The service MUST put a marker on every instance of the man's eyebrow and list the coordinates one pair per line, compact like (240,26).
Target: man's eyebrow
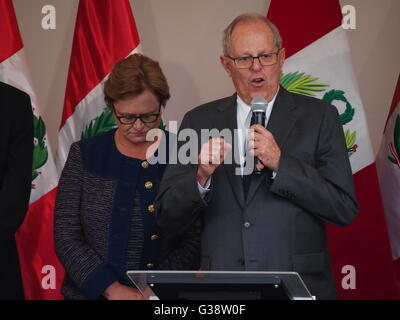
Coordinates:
(247,54)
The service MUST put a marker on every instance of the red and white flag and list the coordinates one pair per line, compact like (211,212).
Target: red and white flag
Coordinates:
(105,32)
(38,261)
(388,164)
(319,63)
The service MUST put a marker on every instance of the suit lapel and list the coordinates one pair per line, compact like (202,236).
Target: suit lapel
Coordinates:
(283,118)
(226,118)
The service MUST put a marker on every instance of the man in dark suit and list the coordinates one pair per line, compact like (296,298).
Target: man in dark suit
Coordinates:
(16,146)
(274,221)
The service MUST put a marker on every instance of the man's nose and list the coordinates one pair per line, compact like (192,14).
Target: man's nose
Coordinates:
(256,64)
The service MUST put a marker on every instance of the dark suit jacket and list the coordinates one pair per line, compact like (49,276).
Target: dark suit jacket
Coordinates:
(279,226)
(16,145)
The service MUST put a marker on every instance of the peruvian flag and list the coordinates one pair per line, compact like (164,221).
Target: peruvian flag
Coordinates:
(105,32)
(319,64)
(39,264)
(388,164)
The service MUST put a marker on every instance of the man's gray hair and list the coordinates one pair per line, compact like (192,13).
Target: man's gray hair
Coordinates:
(248,17)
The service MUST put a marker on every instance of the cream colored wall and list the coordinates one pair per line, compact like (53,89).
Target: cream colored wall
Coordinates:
(185,37)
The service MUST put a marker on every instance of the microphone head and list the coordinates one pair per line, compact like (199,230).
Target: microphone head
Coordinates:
(259,104)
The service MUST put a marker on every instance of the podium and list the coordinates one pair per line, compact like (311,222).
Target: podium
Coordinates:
(219,285)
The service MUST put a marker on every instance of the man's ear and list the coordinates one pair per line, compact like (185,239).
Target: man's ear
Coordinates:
(226,65)
(281,60)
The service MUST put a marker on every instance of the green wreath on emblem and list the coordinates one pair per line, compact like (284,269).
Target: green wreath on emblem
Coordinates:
(104,122)
(348,113)
(350,138)
(297,82)
(394,147)
(40,153)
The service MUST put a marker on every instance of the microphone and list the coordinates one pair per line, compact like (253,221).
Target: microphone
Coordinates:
(258,109)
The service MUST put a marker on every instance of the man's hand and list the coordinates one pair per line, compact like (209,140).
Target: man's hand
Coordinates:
(212,154)
(117,291)
(262,144)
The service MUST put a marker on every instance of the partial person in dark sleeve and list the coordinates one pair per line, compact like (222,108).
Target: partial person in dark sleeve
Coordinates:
(16,147)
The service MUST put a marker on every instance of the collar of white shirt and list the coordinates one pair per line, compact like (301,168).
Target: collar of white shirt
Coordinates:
(242,112)
(244,109)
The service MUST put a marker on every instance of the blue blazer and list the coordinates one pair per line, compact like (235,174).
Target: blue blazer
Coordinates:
(105,220)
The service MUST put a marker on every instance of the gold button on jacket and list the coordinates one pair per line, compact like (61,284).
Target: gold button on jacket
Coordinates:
(154,237)
(145,164)
(148,185)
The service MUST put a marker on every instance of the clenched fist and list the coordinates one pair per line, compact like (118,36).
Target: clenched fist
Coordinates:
(212,154)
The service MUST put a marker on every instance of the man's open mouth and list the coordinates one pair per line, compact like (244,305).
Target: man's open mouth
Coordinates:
(257,80)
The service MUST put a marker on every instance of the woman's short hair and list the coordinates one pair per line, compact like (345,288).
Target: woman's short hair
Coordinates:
(133,75)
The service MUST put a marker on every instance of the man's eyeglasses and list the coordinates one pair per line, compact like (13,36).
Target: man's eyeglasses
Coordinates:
(130,118)
(266,59)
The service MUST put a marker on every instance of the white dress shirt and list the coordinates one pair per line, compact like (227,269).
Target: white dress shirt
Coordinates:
(243,118)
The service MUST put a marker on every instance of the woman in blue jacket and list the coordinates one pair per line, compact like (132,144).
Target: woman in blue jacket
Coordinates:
(105,220)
